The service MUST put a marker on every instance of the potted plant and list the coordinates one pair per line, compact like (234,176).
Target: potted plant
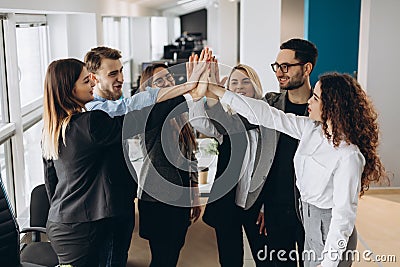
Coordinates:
(207,148)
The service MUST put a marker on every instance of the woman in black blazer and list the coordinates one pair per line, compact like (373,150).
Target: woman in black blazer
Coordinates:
(83,163)
(169,169)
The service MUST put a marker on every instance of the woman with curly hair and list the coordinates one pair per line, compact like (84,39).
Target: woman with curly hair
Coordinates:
(335,162)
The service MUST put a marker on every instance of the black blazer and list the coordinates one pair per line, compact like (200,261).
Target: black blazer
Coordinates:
(91,180)
(163,177)
(220,210)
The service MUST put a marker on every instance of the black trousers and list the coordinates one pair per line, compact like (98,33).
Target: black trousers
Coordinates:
(119,239)
(284,232)
(230,238)
(165,227)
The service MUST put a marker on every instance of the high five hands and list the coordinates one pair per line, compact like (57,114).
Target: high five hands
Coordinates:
(208,83)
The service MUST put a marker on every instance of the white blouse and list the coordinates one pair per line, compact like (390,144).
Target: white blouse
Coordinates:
(201,122)
(328,177)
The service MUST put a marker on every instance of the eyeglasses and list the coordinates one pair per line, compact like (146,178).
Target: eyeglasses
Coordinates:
(285,66)
(160,82)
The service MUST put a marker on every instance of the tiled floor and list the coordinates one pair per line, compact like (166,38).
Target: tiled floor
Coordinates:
(378,225)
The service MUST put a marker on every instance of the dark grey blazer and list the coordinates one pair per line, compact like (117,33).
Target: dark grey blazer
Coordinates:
(268,142)
(91,180)
(79,184)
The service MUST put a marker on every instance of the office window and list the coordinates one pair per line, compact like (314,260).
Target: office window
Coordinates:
(3,167)
(32,60)
(33,159)
(2,75)
(24,56)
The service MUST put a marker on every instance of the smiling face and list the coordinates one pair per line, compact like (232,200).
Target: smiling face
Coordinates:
(295,77)
(239,82)
(83,88)
(109,79)
(315,104)
(162,78)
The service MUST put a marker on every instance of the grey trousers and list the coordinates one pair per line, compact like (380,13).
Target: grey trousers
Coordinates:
(316,223)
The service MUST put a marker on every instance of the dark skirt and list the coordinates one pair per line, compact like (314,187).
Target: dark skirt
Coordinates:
(160,222)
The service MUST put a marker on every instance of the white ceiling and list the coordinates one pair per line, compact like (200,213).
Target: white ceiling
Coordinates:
(174,7)
(155,4)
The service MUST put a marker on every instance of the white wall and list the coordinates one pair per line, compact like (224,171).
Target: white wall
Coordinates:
(174,28)
(67,38)
(378,72)
(222,32)
(212,28)
(80,41)
(260,38)
(159,36)
(58,36)
(141,46)
(292,19)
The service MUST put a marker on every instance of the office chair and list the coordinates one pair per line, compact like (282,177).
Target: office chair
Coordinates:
(39,210)
(10,255)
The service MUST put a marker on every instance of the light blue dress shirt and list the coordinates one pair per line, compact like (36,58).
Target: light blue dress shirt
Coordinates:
(124,105)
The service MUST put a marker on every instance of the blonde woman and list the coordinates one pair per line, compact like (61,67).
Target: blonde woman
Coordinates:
(232,205)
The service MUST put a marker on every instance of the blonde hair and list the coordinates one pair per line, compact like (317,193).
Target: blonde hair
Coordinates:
(252,74)
(59,104)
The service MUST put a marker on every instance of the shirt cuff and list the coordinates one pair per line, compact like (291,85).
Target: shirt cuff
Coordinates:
(228,97)
(189,100)
(153,93)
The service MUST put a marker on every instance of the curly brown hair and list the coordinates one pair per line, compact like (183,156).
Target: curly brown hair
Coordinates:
(353,119)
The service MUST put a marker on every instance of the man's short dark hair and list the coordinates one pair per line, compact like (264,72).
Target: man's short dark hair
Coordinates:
(305,51)
(94,57)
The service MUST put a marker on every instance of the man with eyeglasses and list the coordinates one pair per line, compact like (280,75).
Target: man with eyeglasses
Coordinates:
(284,230)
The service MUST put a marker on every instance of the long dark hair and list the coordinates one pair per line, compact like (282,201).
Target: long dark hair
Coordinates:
(59,104)
(354,120)
(186,136)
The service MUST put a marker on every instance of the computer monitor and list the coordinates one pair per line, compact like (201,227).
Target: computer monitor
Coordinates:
(169,51)
(145,65)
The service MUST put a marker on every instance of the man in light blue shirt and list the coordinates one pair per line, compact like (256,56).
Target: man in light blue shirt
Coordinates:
(105,69)
(123,105)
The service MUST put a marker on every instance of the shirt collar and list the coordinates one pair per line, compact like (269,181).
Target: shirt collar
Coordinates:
(99,98)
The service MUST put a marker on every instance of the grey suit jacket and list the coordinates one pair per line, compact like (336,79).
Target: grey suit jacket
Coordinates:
(268,147)
(268,142)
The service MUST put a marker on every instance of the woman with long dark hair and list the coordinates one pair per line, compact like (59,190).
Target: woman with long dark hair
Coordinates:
(168,183)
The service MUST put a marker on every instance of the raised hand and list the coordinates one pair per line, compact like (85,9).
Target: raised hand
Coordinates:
(196,66)
(214,80)
(216,86)
(201,89)
(214,77)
